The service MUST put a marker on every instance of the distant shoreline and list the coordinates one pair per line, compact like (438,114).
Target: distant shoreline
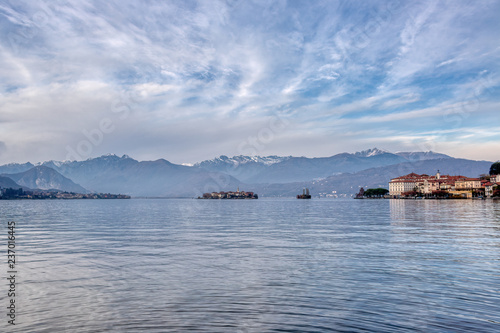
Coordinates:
(43,199)
(422,198)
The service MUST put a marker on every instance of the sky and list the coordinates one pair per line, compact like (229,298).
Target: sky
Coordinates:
(192,80)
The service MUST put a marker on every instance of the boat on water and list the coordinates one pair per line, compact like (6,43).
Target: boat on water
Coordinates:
(305,194)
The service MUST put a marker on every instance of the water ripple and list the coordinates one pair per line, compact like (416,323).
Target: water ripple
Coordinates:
(257,265)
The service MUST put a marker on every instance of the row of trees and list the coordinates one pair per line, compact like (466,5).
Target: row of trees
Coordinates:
(372,193)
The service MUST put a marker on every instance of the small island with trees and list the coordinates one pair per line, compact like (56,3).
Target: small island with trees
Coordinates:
(372,193)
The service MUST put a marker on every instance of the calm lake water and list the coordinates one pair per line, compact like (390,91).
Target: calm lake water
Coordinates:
(267,265)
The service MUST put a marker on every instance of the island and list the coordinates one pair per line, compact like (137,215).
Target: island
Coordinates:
(230,195)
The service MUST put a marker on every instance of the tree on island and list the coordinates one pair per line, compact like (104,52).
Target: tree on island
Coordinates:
(376,192)
(495,168)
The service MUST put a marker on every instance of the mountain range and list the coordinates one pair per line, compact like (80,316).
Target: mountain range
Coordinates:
(267,175)
(275,169)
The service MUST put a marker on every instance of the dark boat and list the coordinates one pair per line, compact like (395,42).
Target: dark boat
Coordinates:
(305,194)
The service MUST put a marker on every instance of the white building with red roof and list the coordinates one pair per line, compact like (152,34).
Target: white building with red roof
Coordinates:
(488,189)
(424,184)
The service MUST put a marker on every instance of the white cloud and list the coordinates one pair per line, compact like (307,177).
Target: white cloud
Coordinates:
(400,101)
(199,69)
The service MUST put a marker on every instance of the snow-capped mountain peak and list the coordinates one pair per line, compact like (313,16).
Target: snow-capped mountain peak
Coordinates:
(422,156)
(242,159)
(267,160)
(51,162)
(371,152)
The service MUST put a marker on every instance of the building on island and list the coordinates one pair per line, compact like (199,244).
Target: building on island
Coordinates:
(468,184)
(230,195)
(422,183)
(443,185)
(488,189)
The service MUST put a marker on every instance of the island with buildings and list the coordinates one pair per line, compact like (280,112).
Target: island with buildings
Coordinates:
(230,195)
(21,194)
(444,186)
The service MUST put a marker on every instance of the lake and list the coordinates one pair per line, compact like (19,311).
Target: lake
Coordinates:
(267,265)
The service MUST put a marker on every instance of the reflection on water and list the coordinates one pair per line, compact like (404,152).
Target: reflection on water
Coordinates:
(257,265)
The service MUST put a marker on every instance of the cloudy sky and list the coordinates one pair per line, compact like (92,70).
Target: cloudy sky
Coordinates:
(191,80)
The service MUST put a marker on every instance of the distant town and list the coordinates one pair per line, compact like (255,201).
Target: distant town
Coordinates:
(445,186)
(230,195)
(20,194)
(438,186)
